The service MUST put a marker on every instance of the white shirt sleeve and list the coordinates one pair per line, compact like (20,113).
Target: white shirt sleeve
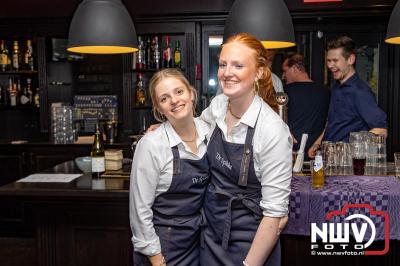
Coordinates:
(273,161)
(143,184)
(277,83)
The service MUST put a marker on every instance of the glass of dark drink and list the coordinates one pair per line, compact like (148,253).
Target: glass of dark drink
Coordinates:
(358,157)
(359,165)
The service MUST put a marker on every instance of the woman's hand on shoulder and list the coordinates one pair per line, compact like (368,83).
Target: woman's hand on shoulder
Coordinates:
(153,127)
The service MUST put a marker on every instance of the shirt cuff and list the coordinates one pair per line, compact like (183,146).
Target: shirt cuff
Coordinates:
(275,210)
(150,248)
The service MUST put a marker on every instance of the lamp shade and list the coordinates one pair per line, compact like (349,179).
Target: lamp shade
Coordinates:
(268,20)
(102,27)
(393,29)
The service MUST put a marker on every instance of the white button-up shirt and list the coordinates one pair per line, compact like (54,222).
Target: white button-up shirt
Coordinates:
(272,149)
(151,175)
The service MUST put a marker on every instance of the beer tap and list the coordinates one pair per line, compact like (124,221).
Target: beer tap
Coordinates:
(282,99)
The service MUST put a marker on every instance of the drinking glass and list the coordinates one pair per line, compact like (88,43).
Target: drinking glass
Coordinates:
(397,164)
(330,159)
(358,157)
(346,162)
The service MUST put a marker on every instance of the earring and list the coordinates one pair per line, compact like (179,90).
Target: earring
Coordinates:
(257,85)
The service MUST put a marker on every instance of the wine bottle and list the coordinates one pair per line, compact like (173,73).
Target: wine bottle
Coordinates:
(16,57)
(28,56)
(140,60)
(167,57)
(177,55)
(140,91)
(148,54)
(3,56)
(97,154)
(157,59)
(36,98)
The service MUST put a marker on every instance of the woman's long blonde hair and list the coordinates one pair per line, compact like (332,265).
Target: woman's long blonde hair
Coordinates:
(157,78)
(264,87)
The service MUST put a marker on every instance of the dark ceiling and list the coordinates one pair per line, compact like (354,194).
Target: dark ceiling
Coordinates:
(65,8)
(142,8)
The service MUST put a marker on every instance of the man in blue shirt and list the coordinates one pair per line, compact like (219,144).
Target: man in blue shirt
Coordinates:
(308,102)
(353,105)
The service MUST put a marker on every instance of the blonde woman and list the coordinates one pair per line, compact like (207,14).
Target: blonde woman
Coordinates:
(169,177)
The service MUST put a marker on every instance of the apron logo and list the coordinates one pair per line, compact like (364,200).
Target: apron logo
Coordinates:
(199,179)
(223,161)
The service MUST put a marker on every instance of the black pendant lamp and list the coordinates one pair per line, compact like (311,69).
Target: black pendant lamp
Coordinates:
(102,27)
(268,20)
(393,29)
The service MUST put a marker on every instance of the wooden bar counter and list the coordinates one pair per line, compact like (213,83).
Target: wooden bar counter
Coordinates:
(72,224)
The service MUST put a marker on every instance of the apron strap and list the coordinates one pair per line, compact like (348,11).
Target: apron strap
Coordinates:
(247,201)
(244,166)
(176,161)
(247,151)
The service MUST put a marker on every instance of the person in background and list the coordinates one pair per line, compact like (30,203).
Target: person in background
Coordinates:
(250,159)
(308,102)
(276,81)
(353,105)
(169,177)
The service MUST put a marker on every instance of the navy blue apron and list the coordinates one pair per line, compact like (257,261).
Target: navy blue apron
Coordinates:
(177,213)
(232,203)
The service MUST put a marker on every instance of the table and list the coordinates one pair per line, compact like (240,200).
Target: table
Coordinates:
(309,205)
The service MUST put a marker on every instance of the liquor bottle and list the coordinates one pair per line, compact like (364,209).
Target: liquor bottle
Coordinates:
(157,59)
(97,154)
(140,91)
(148,53)
(24,97)
(3,56)
(28,56)
(36,99)
(177,55)
(318,175)
(29,90)
(19,91)
(13,95)
(16,57)
(5,98)
(140,55)
(167,56)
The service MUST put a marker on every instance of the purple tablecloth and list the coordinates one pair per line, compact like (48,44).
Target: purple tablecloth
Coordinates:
(309,205)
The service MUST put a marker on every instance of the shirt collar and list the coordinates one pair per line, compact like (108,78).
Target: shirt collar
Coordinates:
(350,81)
(174,138)
(249,118)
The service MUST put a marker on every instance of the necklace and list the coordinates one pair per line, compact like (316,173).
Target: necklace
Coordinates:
(230,111)
(194,138)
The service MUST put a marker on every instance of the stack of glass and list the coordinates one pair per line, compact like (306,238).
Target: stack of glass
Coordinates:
(377,151)
(61,124)
(337,158)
